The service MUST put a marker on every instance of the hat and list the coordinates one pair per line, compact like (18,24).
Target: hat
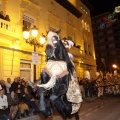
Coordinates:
(1,87)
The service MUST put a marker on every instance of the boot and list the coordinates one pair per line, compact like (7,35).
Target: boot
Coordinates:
(27,112)
(23,115)
(18,117)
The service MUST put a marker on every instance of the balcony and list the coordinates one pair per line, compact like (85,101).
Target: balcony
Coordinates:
(76,52)
(9,30)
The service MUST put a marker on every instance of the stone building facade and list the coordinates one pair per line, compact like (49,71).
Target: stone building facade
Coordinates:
(16,54)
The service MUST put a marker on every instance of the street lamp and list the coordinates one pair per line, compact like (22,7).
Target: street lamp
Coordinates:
(115,71)
(114,66)
(30,36)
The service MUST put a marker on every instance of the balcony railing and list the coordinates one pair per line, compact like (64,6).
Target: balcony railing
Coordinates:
(10,29)
(76,52)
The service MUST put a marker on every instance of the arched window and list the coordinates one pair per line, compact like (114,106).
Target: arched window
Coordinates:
(83,26)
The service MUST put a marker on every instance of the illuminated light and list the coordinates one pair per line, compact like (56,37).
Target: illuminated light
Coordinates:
(30,36)
(83,9)
(114,66)
(26,34)
(34,31)
(42,40)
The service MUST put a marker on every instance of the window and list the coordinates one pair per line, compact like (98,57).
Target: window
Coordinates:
(103,54)
(28,21)
(102,47)
(100,34)
(88,28)
(99,54)
(89,50)
(26,69)
(107,46)
(108,53)
(101,40)
(109,32)
(95,35)
(97,48)
(99,21)
(113,53)
(25,65)
(85,48)
(110,38)
(83,25)
(111,45)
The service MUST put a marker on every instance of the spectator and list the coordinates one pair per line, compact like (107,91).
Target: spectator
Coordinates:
(7,18)
(14,85)
(30,100)
(3,85)
(35,94)
(13,105)
(90,88)
(82,88)
(86,87)
(22,106)
(3,105)
(30,89)
(19,95)
(21,86)
(8,85)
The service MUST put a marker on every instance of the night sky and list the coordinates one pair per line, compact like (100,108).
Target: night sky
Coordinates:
(101,6)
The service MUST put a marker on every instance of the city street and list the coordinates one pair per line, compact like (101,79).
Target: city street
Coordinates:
(106,108)
(101,109)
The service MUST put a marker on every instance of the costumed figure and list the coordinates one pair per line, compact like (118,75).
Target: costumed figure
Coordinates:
(57,79)
(74,87)
(99,82)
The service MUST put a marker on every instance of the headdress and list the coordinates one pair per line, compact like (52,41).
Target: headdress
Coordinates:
(67,43)
(51,38)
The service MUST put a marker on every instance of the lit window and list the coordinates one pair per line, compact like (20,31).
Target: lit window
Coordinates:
(28,21)
(83,26)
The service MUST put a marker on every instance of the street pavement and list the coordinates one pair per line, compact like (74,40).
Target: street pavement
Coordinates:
(106,108)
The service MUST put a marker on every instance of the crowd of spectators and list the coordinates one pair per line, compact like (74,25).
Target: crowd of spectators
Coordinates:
(17,99)
(6,17)
(101,86)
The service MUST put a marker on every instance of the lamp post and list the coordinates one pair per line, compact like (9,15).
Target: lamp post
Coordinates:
(30,36)
(115,67)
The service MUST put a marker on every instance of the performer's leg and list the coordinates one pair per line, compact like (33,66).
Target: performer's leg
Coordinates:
(77,116)
(45,110)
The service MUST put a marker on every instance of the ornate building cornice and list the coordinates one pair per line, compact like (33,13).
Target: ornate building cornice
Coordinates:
(30,6)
